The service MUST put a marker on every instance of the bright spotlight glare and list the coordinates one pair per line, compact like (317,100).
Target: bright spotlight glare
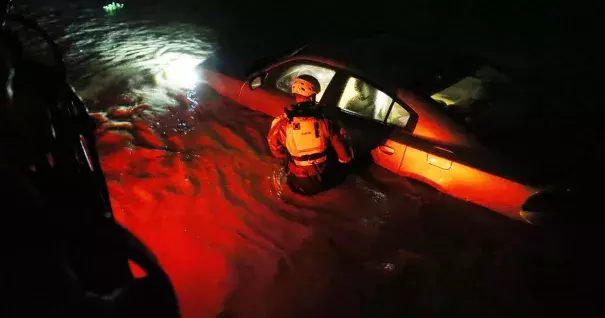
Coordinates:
(179,70)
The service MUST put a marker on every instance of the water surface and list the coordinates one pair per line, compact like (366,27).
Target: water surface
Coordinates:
(198,185)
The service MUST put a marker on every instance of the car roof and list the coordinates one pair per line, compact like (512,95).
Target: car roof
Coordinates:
(394,63)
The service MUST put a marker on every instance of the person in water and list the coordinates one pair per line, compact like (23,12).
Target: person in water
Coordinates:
(314,147)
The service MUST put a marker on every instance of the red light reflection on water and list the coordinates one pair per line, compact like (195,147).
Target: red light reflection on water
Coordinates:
(210,217)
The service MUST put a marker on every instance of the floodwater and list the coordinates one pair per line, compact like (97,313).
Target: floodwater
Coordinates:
(198,185)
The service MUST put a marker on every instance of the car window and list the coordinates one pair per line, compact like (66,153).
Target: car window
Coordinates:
(365,100)
(398,116)
(323,74)
(465,91)
(489,104)
(473,94)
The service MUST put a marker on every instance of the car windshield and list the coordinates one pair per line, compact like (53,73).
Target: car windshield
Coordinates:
(486,102)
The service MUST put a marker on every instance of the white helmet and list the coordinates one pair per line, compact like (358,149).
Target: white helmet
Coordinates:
(305,85)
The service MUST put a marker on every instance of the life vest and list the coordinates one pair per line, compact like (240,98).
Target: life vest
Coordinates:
(306,140)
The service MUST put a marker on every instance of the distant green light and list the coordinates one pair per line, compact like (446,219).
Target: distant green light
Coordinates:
(113,7)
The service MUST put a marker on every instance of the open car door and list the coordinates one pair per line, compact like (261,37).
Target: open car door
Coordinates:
(369,116)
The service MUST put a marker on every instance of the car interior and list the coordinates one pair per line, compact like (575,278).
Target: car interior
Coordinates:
(365,100)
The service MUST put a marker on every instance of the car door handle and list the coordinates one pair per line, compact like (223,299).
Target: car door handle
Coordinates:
(443,149)
(386,149)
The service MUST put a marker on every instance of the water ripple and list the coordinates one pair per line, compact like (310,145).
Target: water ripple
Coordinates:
(126,52)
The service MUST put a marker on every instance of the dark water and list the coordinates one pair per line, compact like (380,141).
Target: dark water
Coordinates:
(199,186)
(139,50)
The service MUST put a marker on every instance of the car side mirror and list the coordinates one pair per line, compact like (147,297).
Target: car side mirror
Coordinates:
(256,81)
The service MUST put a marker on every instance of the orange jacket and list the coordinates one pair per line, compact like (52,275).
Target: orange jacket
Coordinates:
(336,136)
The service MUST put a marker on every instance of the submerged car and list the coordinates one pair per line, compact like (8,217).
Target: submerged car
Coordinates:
(422,114)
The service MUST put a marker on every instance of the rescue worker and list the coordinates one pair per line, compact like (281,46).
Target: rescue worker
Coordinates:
(312,144)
